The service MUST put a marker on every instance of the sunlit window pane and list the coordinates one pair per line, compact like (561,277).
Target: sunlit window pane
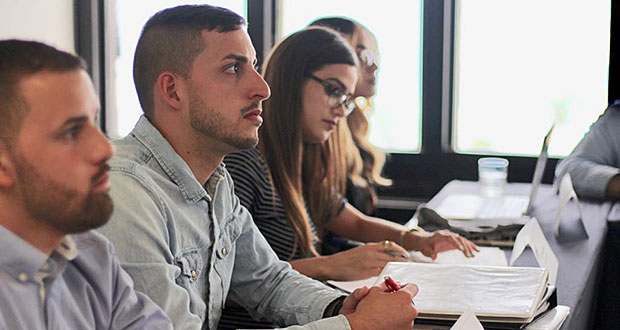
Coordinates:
(131,17)
(395,122)
(523,64)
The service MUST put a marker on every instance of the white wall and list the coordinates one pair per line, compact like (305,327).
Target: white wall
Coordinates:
(49,21)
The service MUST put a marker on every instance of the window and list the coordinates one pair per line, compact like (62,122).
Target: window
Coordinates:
(395,121)
(522,65)
(130,18)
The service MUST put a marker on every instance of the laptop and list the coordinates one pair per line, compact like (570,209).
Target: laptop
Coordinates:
(471,209)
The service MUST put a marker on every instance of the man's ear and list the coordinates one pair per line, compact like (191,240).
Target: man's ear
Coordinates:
(170,89)
(7,166)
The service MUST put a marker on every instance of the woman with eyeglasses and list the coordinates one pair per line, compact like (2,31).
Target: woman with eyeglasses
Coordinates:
(363,161)
(293,182)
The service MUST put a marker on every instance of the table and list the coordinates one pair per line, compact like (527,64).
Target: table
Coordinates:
(581,259)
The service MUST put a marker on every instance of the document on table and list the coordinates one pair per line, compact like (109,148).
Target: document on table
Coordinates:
(488,256)
(511,294)
(552,320)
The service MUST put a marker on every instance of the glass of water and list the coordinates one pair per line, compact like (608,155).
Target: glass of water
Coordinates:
(492,174)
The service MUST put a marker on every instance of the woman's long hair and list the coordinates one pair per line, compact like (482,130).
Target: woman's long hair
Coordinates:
(294,166)
(364,171)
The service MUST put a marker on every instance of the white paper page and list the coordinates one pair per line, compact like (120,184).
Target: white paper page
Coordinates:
(531,234)
(614,213)
(552,320)
(488,256)
(467,321)
(488,290)
(566,193)
(350,286)
(460,206)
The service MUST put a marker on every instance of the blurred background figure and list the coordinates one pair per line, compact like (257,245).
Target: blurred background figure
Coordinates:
(364,162)
(594,165)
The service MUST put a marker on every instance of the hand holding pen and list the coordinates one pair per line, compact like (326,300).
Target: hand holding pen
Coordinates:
(366,307)
(391,284)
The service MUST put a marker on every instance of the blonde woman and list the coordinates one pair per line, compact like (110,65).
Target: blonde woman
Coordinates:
(363,161)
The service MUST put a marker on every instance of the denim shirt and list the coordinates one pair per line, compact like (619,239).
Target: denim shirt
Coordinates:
(80,285)
(180,241)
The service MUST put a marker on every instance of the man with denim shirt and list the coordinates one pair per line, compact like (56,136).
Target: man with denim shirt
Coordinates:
(54,272)
(594,165)
(179,230)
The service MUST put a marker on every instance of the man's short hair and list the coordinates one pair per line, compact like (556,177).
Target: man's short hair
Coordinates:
(171,40)
(18,60)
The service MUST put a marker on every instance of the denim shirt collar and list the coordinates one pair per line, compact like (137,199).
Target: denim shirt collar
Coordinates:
(172,163)
(22,260)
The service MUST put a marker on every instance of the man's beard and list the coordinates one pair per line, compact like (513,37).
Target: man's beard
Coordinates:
(212,124)
(63,208)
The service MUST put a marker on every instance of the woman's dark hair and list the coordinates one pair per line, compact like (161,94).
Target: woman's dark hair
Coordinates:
(296,168)
(342,25)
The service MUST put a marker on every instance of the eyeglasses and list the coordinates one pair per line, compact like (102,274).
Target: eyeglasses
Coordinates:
(337,97)
(367,57)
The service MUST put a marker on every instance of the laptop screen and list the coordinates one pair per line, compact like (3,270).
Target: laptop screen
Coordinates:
(540,168)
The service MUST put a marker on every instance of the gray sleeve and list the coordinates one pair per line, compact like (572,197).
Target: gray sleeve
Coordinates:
(266,286)
(595,160)
(138,231)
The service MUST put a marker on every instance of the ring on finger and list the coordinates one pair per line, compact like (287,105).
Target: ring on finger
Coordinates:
(386,244)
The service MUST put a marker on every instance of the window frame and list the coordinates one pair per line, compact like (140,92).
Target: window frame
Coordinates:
(416,176)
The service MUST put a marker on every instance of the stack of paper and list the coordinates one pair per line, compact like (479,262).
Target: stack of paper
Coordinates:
(489,256)
(501,297)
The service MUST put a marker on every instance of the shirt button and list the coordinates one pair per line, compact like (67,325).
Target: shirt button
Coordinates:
(194,274)
(23,277)
(224,251)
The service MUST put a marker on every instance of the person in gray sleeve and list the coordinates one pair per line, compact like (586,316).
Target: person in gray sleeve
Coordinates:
(55,273)
(178,227)
(594,165)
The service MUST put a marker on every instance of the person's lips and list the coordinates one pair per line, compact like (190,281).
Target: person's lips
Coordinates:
(101,180)
(252,113)
(331,124)
(254,116)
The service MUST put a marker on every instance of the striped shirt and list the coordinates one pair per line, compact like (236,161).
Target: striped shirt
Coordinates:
(255,191)
(253,187)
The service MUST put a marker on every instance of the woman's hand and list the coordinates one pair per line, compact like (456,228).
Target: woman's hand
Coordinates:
(438,241)
(363,261)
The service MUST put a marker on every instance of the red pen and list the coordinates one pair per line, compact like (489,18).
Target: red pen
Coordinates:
(391,285)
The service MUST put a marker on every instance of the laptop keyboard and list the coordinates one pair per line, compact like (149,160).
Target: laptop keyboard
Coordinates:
(503,208)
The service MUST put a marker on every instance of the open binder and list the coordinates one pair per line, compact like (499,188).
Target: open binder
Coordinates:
(501,297)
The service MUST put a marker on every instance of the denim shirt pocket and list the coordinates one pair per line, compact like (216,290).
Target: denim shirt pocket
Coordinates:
(190,263)
(225,252)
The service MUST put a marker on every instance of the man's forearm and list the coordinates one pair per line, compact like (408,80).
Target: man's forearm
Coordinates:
(613,187)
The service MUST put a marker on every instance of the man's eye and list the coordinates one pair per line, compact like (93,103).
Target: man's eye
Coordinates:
(72,132)
(233,69)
